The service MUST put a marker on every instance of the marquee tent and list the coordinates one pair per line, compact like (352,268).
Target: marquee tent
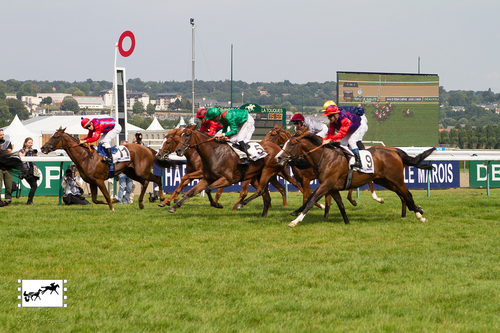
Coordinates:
(16,132)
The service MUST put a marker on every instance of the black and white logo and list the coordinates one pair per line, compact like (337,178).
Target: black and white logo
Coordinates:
(42,293)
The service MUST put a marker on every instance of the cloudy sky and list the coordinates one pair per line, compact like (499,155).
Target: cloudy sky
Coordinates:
(296,40)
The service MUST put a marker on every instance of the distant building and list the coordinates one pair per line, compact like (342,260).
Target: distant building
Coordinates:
(164,99)
(107,97)
(457,108)
(134,97)
(57,98)
(90,102)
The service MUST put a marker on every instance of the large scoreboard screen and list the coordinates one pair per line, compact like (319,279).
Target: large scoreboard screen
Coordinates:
(401,109)
(265,119)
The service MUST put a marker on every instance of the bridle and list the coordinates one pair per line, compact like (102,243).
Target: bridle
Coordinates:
(58,138)
(196,144)
(295,156)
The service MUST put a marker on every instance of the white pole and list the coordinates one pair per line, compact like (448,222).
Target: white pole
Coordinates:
(192,84)
(114,85)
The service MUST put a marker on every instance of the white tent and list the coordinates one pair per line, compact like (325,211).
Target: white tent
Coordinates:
(16,132)
(181,123)
(155,126)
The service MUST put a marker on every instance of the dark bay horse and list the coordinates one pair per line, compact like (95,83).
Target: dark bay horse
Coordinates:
(95,172)
(194,169)
(305,175)
(221,168)
(332,168)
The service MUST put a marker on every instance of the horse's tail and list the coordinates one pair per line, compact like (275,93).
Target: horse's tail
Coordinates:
(417,160)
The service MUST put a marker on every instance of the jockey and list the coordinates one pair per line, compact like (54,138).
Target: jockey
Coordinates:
(314,126)
(207,126)
(240,124)
(103,130)
(351,129)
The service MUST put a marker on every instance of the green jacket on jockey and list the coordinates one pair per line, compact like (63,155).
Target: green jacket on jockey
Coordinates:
(231,118)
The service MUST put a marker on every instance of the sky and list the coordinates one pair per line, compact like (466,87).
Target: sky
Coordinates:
(272,41)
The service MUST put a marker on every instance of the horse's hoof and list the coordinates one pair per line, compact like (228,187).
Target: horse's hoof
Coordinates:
(239,205)
(294,214)
(218,205)
(172,210)
(354,203)
(292,225)
(161,204)
(141,206)
(381,200)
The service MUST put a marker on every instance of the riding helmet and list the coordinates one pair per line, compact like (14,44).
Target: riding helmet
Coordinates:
(297,117)
(330,108)
(201,113)
(212,113)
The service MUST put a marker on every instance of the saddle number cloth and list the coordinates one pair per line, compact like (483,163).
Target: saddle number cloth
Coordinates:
(255,151)
(366,161)
(120,153)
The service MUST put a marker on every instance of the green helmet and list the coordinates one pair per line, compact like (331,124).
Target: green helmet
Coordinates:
(212,113)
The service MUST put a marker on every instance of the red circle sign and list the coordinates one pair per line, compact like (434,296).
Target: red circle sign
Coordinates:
(120,42)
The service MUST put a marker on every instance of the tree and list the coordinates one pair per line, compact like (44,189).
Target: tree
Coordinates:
(150,109)
(17,107)
(47,89)
(47,100)
(138,108)
(70,104)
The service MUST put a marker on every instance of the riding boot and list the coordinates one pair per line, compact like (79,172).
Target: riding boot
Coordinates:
(109,156)
(243,148)
(357,159)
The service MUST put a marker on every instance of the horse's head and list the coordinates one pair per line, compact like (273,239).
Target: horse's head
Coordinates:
(277,135)
(169,144)
(186,138)
(291,149)
(54,142)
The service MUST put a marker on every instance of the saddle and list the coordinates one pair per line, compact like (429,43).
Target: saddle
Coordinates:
(120,153)
(255,151)
(365,156)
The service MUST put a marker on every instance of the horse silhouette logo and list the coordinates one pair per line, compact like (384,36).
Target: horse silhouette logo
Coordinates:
(29,296)
(42,293)
(53,288)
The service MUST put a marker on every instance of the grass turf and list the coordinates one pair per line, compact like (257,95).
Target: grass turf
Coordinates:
(204,269)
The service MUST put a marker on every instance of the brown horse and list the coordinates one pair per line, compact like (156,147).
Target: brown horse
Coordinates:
(194,169)
(333,169)
(221,168)
(95,172)
(305,175)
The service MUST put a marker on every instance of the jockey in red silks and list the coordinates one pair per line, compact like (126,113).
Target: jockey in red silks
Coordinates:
(207,125)
(103,130)
(351,129)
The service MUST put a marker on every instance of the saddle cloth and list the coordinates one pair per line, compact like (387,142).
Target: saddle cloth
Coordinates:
(255,151)
(119,153)
(366,160)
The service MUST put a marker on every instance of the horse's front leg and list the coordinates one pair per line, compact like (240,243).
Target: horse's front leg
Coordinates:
(203,184)
(185,180)
(349,197)
(93,191)
(213,203)
(104,190)
(320,191)
(244,191)
(338,199)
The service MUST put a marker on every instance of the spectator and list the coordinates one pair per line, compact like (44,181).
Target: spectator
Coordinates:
(73,192)
(124,185)
(6,175)
(30,171)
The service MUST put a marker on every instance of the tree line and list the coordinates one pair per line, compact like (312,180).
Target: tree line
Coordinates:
(308,97)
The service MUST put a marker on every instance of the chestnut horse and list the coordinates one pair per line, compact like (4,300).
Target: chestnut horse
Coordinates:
(221,168)
(95,172)
(333,169)
(194,169)
(305,175)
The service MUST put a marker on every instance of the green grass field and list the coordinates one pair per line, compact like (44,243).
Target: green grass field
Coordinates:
(203,269)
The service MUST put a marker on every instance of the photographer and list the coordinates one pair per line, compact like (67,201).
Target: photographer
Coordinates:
(30,171)
(73,192)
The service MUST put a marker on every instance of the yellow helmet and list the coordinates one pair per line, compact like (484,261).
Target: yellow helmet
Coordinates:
(327,104)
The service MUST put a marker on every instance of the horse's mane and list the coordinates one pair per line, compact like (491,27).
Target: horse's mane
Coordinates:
(315,140)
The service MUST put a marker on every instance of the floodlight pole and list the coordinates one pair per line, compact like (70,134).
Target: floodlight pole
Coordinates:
(191,20)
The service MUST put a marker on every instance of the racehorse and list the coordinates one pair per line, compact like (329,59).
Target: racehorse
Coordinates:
(304,176)
(194,169)
(221,168)
(333,171)
(95,172)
